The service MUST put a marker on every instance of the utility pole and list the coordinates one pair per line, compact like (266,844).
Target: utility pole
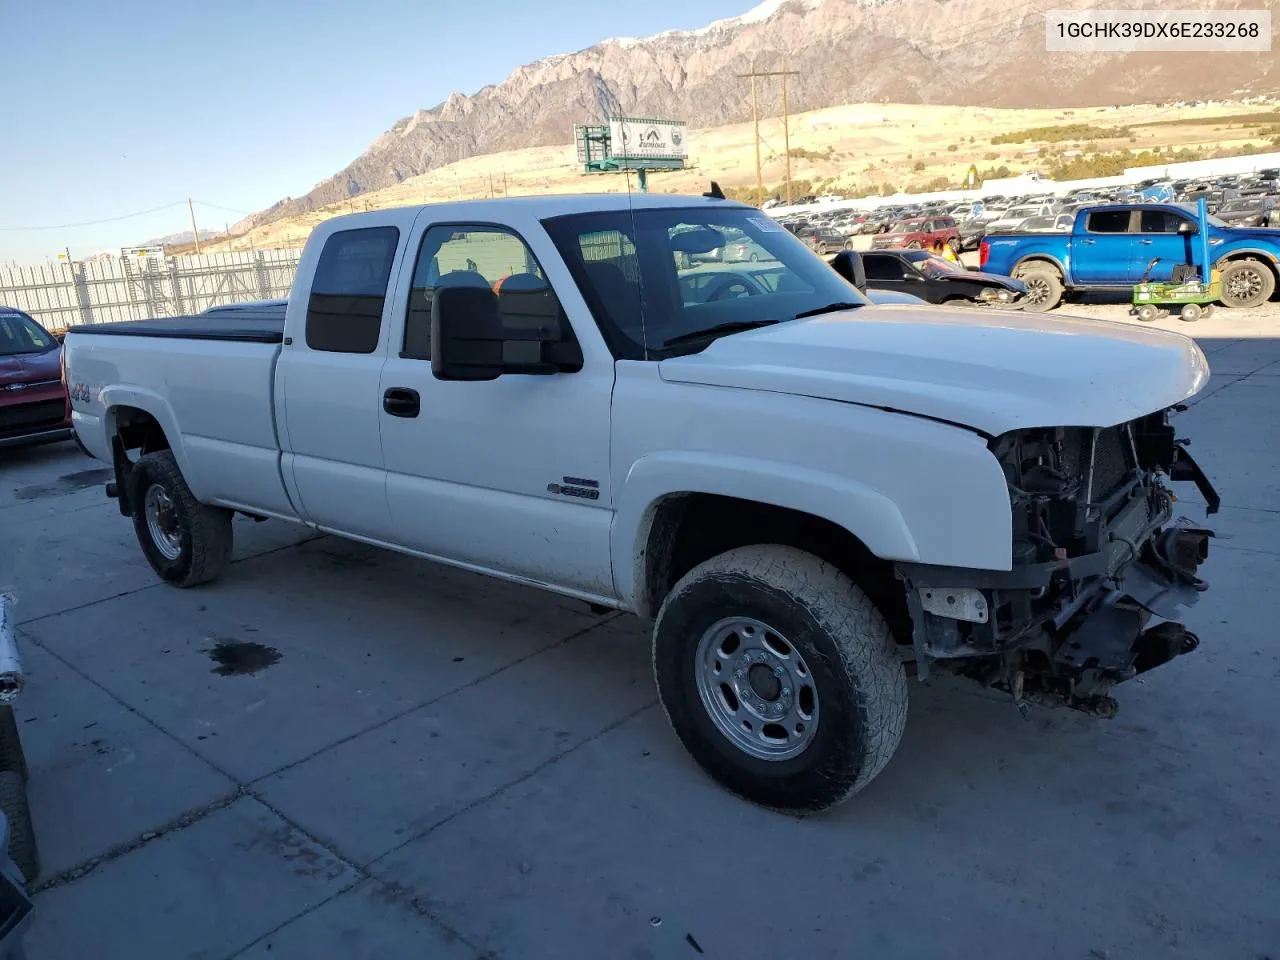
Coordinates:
(195,234)
(755,119)
(786,135)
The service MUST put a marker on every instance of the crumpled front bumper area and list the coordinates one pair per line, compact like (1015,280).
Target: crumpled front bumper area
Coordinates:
(1113,641)
(1065,629)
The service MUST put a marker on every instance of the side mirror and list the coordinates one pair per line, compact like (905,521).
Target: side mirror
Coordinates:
(1186,227)
(848,263)
(474,338)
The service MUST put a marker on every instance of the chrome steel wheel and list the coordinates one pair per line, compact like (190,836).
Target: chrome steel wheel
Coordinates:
(162,522)
(756,688)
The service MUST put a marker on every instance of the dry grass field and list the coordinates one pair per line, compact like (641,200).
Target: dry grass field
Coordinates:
(857,148)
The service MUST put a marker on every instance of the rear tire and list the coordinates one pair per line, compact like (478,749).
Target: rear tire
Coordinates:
(1044,288)
(1190,313)
(771,628)
(185,541)
(1147,313)
(22,835)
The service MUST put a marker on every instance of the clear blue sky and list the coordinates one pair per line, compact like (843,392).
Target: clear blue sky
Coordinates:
(112,108)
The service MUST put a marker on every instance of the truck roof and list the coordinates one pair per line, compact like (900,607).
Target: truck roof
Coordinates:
(556,205)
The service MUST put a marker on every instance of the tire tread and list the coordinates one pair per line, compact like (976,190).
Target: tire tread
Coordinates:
(868,658)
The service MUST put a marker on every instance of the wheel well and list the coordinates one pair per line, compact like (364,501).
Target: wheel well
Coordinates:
(1248,255)
(690,528)
(1037,261)
(139,430)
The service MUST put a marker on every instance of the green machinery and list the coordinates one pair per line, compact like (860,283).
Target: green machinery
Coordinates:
(1191,291)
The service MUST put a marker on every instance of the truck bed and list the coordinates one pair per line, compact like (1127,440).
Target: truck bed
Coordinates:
(246,324)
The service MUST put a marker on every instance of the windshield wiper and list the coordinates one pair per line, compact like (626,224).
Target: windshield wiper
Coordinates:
(829,308)
(720,329)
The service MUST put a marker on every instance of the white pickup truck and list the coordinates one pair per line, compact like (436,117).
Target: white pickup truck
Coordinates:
(811,496)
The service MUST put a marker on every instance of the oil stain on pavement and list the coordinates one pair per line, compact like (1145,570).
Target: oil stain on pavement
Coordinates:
(238,658)
(68,483)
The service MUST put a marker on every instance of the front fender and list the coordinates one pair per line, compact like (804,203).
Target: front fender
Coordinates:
(1244,248)
(869,515)
(928,531)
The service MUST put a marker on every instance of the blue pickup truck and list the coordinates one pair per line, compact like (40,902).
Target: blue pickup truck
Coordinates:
(1110,246)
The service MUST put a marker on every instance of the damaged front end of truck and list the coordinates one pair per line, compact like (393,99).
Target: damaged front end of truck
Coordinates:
(1097,557)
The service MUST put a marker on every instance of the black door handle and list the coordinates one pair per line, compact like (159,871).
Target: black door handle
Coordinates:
(402,402)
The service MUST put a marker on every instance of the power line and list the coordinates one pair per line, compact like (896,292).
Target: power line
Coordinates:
(215,206)
(93,223)
(124,216)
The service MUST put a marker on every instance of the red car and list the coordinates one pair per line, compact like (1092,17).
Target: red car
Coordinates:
(34,407)
(919,234)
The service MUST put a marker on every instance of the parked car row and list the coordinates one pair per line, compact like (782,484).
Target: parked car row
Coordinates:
(1112,247)
(1246,200)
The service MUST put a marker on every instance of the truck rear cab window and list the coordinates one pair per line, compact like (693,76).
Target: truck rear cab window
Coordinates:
(1108,221)
(480,255)
(344,313)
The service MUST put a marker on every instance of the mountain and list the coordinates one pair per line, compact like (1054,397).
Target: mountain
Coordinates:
(946,52)
(178,239)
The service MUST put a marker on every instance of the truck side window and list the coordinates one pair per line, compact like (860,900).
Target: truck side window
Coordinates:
(478,256)
(1108,221)
(344,314)
(1159,221)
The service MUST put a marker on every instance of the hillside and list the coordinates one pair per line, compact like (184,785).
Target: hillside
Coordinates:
(857,148)
(942,52)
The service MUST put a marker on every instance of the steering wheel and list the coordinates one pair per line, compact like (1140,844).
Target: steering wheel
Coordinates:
(721,287)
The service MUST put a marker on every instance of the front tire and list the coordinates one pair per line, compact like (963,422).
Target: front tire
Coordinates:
(780,677)
(22,835)
(1246,283)
(185,541)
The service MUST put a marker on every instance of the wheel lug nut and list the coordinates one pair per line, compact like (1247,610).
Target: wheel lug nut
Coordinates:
(786,691)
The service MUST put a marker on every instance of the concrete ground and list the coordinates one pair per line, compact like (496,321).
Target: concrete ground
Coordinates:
(340,752)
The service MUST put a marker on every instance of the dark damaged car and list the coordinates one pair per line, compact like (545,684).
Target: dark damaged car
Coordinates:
(937,280)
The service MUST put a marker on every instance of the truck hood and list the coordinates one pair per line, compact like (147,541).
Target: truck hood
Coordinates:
(1257,234)
(989,370)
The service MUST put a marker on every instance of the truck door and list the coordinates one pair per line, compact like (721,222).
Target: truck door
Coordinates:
(1158,236)
(328,403)
(1102,253)
(509,475)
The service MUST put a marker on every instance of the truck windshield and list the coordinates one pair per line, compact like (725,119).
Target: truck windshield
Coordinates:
(20,334)
(657,275)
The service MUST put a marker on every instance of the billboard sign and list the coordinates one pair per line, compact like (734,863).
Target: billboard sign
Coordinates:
(636,138)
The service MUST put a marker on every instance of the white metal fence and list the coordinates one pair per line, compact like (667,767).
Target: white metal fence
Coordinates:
(99,291)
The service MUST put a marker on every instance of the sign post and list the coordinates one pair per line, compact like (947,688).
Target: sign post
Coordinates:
(641,144)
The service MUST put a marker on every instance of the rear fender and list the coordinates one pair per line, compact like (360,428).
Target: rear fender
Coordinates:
(117,399)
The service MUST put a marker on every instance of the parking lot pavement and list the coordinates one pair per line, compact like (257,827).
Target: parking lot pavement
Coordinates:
(337,751)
